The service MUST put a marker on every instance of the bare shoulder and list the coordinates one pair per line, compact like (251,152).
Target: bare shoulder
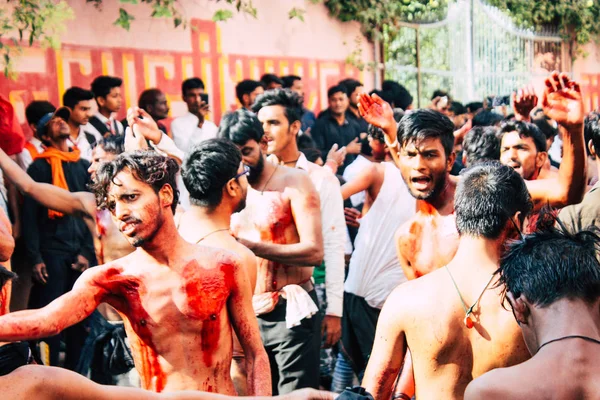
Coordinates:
(214,257)
(98,276)
(502,383)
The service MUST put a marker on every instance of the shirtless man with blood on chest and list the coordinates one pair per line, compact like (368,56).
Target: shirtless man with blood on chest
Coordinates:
(178,300)
(422,148)
(281,224)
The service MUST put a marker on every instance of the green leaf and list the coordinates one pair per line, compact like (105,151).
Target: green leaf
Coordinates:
(297,13)
(124,20)
(177,21)
(222,15)
(128,1)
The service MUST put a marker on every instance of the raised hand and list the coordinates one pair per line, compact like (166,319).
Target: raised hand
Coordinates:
(562,100)
(337,156)
(376,111)
(134,141)
(141,122)
(524,101)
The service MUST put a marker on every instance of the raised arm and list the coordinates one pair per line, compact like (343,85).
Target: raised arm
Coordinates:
(306,210)
(379,113)
(144,127)
(7,242)
(246,328)
(62,313)
(81,204)
(562,102)
(389,348)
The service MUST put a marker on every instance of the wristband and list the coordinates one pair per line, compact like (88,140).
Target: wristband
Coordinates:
(391,145)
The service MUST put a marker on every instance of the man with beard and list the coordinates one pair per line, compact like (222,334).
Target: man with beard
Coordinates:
(523,147)
(180,337)
(281,224)
(58,246)
(452,319)
(422,147)
(555,300)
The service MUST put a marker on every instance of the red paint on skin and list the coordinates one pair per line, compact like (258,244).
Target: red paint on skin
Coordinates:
(207,291)
(4,300)
(124,292)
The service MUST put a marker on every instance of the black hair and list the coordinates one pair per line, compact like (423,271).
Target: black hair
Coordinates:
(207,168)
(487,197)
(288,80)
(591,131)
(267,79)
(525,130)
(487,118)
(402,97)
(544,125)
(377,133)
(289,100)
(76,94)
(424,124)
(192,83)
(474,106)
(241,126)
(336,89)
(457,108)
(386,96)
(114,144)
(102,85)
(305,142)
(37,109)
(553,264)
(6,276)
(148,98)
(246,86)
(311,154)
(146,166)
(350,84)
(481,144)
(440,93)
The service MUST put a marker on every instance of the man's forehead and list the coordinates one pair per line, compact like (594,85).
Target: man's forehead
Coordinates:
(271,112)
(124,182)
(423,144)
(515,137)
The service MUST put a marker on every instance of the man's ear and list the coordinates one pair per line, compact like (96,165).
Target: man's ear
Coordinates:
(166,196)
(101,101)
(520,308)
(295,127)
(592,149)
(231,187)
(263,144)
(450,161)
(540,159)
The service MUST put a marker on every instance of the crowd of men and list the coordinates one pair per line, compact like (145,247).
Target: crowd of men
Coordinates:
(374,250)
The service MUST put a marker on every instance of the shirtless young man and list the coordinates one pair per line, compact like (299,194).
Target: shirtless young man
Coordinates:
(180,336)
(281,224)
(555,300)
(449,345)
(421,146)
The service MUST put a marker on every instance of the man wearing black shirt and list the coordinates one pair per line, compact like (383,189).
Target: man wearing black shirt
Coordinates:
(334,126)
(59,247)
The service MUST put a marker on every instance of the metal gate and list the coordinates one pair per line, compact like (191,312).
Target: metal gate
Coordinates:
(475,52)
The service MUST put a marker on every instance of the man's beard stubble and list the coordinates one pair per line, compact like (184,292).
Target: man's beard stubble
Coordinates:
(257,170)
(438,188)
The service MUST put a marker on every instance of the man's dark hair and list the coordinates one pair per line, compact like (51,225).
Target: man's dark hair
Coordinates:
(377,133)
(591,131)
(207,168)
(487,197)
(386,96)
(267,79)
(289,100)
(551,265)
(525,130)
(102,85)
(457,108)
(288,80)
(544,125)
(336,89)
(246,86)
(350,84)
(440,93)
(76,94)
(37,109)
(424,124)
(240,126)
(474,106)
(481,144)
(311,154)
(113,144)
(402,97)
(486,118)
(192,83)
(305,142)
(146,166)
(5,277)
(148,98)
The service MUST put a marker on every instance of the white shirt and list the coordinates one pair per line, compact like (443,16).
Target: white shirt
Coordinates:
(83,145)
(186,132)
(24,159)
(374,267)
(351,172)
(334,230)
(89,128)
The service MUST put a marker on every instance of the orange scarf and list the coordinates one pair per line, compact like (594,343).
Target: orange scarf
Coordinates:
(55,158)
(32,150)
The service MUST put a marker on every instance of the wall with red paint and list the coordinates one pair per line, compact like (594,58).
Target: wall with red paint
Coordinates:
(587,71)
(154,54)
